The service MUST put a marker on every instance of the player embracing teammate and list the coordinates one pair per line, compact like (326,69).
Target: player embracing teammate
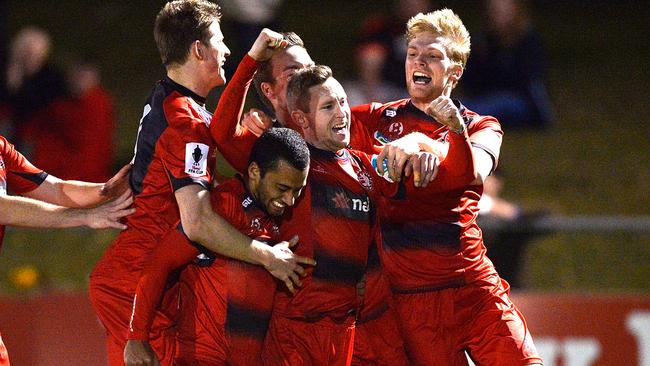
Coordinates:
(441,289)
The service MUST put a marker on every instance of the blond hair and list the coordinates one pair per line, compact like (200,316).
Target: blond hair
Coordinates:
(446,24)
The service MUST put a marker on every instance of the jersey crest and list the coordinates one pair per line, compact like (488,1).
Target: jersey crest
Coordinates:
(196,159)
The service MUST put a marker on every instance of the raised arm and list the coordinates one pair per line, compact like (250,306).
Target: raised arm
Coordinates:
(233,140)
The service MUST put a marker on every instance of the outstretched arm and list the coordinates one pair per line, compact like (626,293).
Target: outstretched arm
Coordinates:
(28,212)
(74,193)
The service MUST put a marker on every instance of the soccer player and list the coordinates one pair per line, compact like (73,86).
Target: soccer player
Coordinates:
(270,72)
(48,202)
(170,177)
(448,296)
(225,304)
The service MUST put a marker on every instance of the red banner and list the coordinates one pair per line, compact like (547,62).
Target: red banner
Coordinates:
(568,329)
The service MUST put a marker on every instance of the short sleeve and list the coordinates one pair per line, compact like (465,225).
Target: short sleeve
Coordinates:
(186,148)
(485,133)
(21,175)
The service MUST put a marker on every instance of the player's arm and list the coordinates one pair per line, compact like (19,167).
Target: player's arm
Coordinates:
(202,225)
(173,252)
(28,212)
(73,193)
(234,141)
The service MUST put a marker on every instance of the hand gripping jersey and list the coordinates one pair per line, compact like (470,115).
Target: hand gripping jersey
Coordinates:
(432,242)
(17,174)
(173,150)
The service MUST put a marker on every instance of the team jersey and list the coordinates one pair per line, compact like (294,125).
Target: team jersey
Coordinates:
(17,174)
(173,150)
(432,241)
(229,297)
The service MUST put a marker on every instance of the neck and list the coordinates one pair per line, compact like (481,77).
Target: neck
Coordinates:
(187,77)
(420,104)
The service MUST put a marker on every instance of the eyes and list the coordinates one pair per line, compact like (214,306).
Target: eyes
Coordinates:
(331,103)
(432,56)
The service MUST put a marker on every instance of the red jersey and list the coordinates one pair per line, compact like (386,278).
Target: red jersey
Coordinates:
(17,174)
(173,150)
(432,241)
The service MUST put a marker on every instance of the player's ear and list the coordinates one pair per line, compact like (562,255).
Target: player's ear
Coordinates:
(196,50)
(300,118)
(267,90)
(456,71)
(254,174)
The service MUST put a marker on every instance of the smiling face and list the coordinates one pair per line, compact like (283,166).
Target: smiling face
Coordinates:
(215,53)
(278,188)
(327,124)
(428,68)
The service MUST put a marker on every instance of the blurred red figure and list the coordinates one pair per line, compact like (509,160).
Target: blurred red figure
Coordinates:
(78,141)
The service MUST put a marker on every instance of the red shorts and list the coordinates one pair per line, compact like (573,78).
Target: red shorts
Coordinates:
(377,342)
(300,343)
(112,300)
(439,326)
(4,356)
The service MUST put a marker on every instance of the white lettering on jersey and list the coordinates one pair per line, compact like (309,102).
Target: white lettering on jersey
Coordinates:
(196,159)
(147,109)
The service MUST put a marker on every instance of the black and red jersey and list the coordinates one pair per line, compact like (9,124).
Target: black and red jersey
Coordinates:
(17,174)
(173,150)
(432,241)
(246,291)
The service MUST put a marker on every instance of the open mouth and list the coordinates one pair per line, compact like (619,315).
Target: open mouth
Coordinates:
(340,126)
(421,78)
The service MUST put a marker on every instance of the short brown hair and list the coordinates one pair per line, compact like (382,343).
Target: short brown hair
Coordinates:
(444,23)
(264,72)
(181,22)
(298,96)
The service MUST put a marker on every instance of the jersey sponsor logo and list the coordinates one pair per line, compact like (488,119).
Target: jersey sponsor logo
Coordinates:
(247,202)
(391,113)
(381,138)
(196,159)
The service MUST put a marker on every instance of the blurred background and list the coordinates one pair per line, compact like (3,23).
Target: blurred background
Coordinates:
(569,205)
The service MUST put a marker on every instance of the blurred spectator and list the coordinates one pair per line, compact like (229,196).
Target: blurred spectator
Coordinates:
(507,230)
(370,86)
(388,30)
(73,136)
(248,18)
(32,82)
(505,73)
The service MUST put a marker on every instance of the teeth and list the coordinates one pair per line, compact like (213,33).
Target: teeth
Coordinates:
(419,74)
(278,204)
